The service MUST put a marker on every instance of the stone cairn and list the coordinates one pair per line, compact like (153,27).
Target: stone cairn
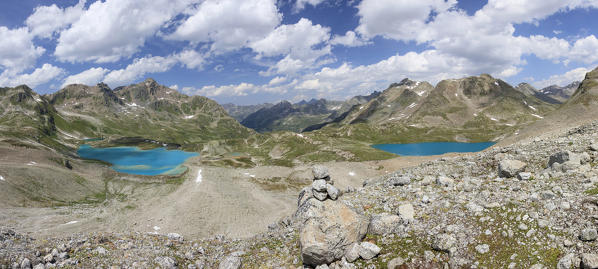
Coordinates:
(322,186)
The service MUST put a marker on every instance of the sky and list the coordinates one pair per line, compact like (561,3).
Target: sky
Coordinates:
(256,51)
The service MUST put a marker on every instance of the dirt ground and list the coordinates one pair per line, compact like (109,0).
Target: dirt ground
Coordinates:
(210,200)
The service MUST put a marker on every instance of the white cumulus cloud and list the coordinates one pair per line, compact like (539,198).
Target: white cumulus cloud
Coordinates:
(114,29)
(46,20)
(17,51)
(228,24)
(300,4)
(138,69)
(88,77)
(39,76)
(350,39)
(576,74)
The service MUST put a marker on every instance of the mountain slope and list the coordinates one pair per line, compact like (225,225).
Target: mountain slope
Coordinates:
(285,116)
(469,109)
(240,112)
(148,110)
(580,108)
(562,94)
(552,94)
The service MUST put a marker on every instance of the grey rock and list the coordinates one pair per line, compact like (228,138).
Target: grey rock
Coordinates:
(39,266)
(588,234)
(427,180)
(567,262)
(304,195)
(400,180)
(322,266)
(63,256)
(589,261)
(175,237)
(524,176)
(483,248)
(231,262)
(327,229)
(352,253)
(319,185)
(444,181)
(368,251)
(566,160)
(594,146)
(320,195)
(429,256)
(546,195)
(189,255)
(381,224)
(510,168)
(559,157)
(100,251)
(332,191)
(344,264)
(26,264)
(395,263)
(49,258)
(444,242)
(320,172)
(473,207)
(538,266)
(166,262)
(406,212)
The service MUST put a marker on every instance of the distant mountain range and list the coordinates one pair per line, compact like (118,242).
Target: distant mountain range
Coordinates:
(553,94)
(285,116)
(469,103)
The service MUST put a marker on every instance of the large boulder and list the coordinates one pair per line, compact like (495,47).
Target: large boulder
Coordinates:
(510,168)
(566,160)
(589,261)
(327,229)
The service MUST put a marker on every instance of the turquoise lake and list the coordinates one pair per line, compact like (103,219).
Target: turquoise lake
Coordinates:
(432,148)
(133,160)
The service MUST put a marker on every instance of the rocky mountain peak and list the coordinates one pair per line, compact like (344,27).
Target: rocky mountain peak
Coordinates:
(487,76)
(103,86)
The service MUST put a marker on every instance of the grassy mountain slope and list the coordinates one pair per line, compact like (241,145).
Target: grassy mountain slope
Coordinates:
(580,108)
(148,110)
(470,109)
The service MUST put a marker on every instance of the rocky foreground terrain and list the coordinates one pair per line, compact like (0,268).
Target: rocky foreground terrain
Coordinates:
(533,204)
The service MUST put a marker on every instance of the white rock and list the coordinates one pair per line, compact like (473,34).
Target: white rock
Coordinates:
(368,251)
(352,253)
(444,181)
(406,212)
(484,248)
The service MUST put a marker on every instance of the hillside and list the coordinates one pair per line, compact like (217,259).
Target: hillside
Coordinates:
(579,109)
(553,94)
(472,109)
(146,110)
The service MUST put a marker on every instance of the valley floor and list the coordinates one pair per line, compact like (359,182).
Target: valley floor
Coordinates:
(466,213)
(237,202)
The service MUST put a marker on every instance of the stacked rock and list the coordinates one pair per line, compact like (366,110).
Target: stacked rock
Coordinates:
(323,186)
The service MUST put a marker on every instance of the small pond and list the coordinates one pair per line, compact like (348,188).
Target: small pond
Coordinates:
(133,160)
(432,148)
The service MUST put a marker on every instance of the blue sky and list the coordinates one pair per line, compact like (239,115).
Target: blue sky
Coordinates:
(254,51)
